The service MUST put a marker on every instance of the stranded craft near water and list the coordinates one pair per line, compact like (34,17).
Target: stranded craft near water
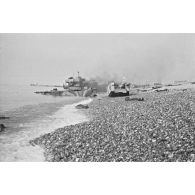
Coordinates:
(118,90)
(73,86)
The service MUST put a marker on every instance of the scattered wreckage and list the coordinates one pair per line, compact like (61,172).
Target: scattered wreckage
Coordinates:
(134,99)
(161,90)
(82,106)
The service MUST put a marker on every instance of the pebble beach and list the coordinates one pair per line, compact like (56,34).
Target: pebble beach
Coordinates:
(159,129)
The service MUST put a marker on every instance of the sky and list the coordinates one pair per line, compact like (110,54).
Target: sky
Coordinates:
(139,58)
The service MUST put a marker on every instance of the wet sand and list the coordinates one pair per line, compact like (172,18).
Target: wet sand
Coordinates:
(160,128)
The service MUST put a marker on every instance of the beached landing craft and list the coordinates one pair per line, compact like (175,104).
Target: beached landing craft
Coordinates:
(77,86)
(118,90)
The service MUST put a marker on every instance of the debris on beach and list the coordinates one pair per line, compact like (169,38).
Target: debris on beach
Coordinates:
(161,90)
(82,106)
(134,99)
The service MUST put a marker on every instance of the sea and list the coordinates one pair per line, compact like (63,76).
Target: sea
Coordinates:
(32,115)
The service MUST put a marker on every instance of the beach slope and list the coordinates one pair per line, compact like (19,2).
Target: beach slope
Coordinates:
(160,128)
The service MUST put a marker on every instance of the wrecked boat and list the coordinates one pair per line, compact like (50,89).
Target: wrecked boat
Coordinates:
(118,90)
(77,86)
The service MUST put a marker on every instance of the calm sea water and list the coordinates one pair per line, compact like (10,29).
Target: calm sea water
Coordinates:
(32,115)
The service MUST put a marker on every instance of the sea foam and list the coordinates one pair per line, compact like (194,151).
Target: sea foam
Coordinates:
(15,146)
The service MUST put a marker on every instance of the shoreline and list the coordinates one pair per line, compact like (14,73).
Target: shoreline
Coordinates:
(15,144)
(161,128)
(78,116)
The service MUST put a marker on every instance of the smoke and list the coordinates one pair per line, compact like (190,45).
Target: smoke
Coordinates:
(106,77)
(149,58)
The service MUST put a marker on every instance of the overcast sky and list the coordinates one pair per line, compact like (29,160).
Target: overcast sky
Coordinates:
(50,58)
